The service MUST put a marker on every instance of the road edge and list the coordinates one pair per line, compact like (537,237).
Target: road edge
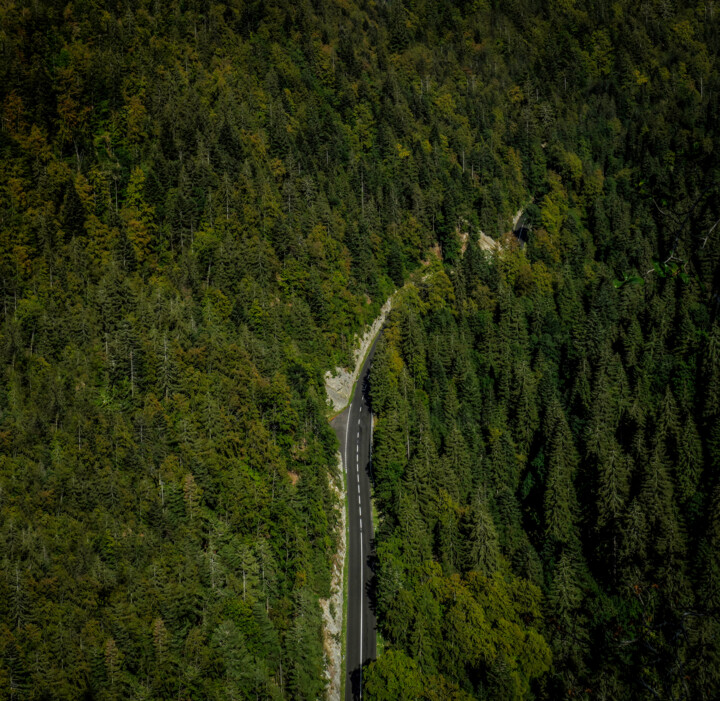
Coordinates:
(333,607)
(340,384)
(331,668)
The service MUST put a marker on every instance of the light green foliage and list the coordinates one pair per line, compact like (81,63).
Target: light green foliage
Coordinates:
(394,676)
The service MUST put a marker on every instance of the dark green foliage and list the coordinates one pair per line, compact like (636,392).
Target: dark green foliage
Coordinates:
(199,207)
(570,389)
(586,476)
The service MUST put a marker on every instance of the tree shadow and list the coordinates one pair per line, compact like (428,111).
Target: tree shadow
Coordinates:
(355,681)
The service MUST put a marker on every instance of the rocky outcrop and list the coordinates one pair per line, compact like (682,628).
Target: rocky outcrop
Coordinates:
(488,244)
(332,607)
(339,385)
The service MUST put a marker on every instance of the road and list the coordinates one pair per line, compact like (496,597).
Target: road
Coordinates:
(522,229)
(354,430)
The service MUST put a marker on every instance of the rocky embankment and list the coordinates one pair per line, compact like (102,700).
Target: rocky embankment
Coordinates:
(339,387)
(339,384)
(332,607)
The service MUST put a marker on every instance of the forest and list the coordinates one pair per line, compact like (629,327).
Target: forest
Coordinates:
(201,204)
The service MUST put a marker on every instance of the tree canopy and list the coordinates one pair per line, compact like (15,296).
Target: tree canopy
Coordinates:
(201,204)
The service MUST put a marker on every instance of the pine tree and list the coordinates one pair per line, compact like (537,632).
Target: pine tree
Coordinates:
(614,470)
(413,529)
(525,413)
(709,558)
(413,347)
(660,509)
(688,469)
(305,678)
(564,602)
(455,464)
(482,547)
(561,507)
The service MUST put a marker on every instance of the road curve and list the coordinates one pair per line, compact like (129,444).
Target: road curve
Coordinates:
(354,430)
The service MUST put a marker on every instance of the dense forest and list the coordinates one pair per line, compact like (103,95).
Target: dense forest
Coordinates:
(201,204)
(548,416)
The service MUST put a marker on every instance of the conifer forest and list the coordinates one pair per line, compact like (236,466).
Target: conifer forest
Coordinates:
(204,204)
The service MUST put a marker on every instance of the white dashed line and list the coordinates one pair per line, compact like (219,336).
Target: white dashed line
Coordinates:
(347,429)
(362,588)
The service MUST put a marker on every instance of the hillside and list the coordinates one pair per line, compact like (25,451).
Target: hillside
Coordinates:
(201,205)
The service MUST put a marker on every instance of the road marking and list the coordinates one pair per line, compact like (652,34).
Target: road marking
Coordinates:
(347,429)
(360,508)
(370,462)
(362,594)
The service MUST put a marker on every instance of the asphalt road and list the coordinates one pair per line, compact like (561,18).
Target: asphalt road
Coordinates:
(522,230)
(354,430)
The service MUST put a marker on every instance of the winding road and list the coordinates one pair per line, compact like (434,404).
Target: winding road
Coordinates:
(353,427)
(354,430)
